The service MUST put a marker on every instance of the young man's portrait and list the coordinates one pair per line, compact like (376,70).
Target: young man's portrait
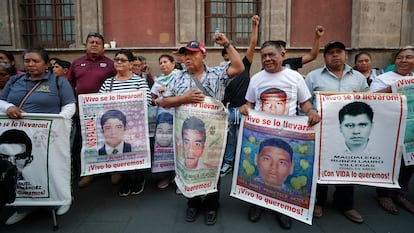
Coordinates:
(194,138)
(113,125)
(355,124)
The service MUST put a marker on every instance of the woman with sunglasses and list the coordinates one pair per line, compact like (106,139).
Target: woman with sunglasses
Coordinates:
(132,182)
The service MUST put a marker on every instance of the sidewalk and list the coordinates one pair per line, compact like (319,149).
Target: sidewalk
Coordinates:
(99,209)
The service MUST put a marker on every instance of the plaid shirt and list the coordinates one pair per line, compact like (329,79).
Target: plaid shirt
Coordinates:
(214,80)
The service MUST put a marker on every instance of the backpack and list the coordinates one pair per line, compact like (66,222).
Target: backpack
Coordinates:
(8,182)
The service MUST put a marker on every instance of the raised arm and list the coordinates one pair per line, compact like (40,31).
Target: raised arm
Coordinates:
(236,64)
(253,38)
(313,54)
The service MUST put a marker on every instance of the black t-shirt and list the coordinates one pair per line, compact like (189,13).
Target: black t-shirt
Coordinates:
(235,92)
(293,63)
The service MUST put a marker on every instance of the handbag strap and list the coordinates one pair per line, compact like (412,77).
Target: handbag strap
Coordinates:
(112,83)
(29,93)
(200,86)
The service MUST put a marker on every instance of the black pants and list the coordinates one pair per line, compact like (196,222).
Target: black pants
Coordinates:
(211,200)
(343,196)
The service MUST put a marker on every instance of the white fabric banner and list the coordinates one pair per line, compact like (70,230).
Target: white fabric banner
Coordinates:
(200,135)
(39,146)
(274,166)
(406,87)
(114,128)
(163,159)
(359,138)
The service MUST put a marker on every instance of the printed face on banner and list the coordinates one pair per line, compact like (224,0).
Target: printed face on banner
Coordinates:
(16,147)
(193,143)
(164,135)
(113,131)
(356,130)
(274,165)
(273,101)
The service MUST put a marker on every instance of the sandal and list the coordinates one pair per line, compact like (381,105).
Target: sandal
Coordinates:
(387,204)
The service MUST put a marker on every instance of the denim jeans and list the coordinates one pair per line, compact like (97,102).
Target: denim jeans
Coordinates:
(232,132)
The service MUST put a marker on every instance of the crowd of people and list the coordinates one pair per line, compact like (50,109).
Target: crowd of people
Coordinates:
(175,86)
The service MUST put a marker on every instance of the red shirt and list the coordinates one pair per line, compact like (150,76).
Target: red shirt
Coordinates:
(87,75)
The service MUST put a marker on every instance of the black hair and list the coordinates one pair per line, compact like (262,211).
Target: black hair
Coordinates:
(39,50)
(128,53)
(63,63)
(279,44)
(15,136)
(354,109)
(279,143)
(361,53)
(95,34)
(113,113)
(10,56)
(195,124)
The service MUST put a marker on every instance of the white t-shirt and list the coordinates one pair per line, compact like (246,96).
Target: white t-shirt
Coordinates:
(287,80)
(387,79)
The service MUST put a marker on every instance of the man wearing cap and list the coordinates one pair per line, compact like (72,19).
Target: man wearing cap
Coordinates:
(336,76)
(86,75)
(182,89)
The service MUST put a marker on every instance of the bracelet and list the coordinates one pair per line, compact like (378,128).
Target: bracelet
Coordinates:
(226,45)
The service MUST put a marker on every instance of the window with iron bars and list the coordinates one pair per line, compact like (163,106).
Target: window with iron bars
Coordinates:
(231,17)
(48,23)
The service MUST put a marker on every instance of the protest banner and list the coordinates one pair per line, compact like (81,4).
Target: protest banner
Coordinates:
(359,138)
(406,87)
(200,135)
(39,146)
(274,166)
(163,159)
(114,129)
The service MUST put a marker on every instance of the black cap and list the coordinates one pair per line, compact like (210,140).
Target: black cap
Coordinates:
(333,44)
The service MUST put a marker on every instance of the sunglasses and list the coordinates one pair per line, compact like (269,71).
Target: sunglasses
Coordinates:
(95,34)
(122,60)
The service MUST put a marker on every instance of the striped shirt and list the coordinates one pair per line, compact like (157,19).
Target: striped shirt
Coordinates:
(134,83)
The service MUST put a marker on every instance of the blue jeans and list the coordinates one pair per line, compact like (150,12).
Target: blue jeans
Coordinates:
(232,132)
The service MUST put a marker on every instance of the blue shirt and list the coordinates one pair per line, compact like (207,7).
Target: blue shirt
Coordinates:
(214,81)
(47,98)
(324,80)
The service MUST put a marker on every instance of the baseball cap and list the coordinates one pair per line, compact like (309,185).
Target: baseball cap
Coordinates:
(193,46)
(333,44)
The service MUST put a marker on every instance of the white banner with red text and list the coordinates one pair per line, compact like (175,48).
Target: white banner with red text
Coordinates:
(406,87)
(359,138)
(39,146)
(114,129)
(200,135)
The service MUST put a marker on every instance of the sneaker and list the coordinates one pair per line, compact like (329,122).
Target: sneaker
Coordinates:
(115,178)
(138,188)
(164,182)
(124,191)
(17,216)
(225,169)
(85,181)
(63,209)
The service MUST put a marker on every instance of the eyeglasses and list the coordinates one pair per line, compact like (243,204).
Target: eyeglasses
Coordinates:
(122,60)
(95,34)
